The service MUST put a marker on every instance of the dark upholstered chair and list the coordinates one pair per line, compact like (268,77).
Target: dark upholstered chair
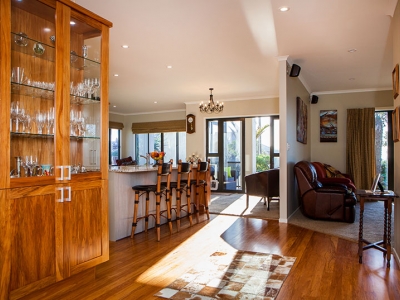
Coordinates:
(335,176)
(263,184)
(325,202)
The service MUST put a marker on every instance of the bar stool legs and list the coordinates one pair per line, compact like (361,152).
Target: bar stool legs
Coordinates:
(135,210)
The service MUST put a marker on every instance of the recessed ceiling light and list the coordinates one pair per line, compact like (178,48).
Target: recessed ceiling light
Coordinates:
(72,23)
(352,50)
(46,29)
(116,75)
(125,46)
(114,106)
(155,102)
(284,8)
(169,67)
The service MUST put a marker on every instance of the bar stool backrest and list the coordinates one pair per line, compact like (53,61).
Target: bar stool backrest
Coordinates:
(164,170)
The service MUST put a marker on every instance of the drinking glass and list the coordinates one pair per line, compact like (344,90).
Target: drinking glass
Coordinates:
(40,121)
(50,120)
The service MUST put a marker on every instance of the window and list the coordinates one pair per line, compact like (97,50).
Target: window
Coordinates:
(114,146)
(172,143)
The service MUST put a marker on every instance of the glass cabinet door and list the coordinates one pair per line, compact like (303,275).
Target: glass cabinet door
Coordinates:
(32,97)
(85,92)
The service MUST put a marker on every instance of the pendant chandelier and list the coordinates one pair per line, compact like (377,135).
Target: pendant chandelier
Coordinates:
(211,107)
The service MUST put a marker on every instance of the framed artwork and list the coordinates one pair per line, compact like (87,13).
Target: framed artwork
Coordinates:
(328,126)
(395,125)
(395,81)
(301,121)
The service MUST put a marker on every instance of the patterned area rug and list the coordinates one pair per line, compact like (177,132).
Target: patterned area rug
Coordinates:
(239,275)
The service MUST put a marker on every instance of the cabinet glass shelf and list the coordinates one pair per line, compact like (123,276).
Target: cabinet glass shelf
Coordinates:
(50,136)
(32,91)
(24,44)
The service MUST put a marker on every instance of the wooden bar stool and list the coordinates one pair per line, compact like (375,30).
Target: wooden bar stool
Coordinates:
(198,182)
(160,188)
(181,185)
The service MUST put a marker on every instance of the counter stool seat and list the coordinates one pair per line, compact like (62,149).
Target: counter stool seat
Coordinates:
(159,189)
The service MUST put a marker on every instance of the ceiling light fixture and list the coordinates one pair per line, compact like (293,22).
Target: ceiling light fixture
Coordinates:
(211,107)
(284,8)
(169,67)
(116,75)
(125,46)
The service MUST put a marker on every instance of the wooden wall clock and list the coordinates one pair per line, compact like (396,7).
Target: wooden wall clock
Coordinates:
(190,123)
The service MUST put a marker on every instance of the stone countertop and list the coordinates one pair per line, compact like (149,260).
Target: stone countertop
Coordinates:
(133,169)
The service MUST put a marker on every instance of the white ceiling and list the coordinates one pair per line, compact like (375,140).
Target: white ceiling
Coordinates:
(233,46)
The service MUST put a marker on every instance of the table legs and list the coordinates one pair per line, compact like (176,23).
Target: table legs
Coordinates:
(387,227)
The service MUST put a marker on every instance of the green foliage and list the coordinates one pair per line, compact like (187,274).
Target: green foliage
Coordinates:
(262,162)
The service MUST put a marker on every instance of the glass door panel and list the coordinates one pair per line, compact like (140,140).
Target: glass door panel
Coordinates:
(32,107)
(85,91)
(232,149)
(225,149)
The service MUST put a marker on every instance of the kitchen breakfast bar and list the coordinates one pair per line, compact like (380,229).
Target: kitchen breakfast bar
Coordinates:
(121,198)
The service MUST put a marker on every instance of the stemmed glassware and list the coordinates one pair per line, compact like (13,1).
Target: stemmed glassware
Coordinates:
(49,121)
(30,164)
(78,123)
(15,114)
(40,121)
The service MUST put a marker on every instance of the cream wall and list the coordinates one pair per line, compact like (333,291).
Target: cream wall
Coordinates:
(296,151)
(396,60)
(196,142)
(335,153)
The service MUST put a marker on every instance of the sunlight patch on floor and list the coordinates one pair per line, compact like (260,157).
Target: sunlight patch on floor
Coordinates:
(167,267)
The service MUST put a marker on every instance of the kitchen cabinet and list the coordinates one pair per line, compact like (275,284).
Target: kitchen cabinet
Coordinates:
(54,166)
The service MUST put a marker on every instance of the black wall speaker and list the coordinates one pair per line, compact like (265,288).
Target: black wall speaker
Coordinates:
(314,99)
(295,71)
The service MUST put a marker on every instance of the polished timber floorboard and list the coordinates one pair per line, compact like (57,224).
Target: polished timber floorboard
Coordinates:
(326,267)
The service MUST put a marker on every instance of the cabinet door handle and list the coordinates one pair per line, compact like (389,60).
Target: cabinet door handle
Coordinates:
(61,172)
(69,194)
(61,195)
(69,172)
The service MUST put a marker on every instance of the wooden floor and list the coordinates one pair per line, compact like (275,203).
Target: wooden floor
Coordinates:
(326,267)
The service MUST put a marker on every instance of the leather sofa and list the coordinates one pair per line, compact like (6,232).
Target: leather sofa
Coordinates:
(335,176)
(263,184)
(325,202)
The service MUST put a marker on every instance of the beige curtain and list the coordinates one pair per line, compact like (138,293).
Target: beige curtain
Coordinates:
(116,125)
(360,146)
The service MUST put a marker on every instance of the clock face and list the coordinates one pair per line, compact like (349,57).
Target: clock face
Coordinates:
(190,120)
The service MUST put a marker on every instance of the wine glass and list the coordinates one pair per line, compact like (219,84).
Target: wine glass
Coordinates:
(50,119)
(40,122)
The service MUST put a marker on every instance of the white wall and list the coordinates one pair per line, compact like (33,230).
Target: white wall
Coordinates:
(334,154)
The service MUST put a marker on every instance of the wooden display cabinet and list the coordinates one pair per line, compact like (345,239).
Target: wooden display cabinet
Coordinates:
(54,166)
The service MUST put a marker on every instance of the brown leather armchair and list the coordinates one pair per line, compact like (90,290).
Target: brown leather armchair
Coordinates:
(325,202)
(264,184)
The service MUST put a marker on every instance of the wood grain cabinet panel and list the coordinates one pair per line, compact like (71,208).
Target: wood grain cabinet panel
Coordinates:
(53,223)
